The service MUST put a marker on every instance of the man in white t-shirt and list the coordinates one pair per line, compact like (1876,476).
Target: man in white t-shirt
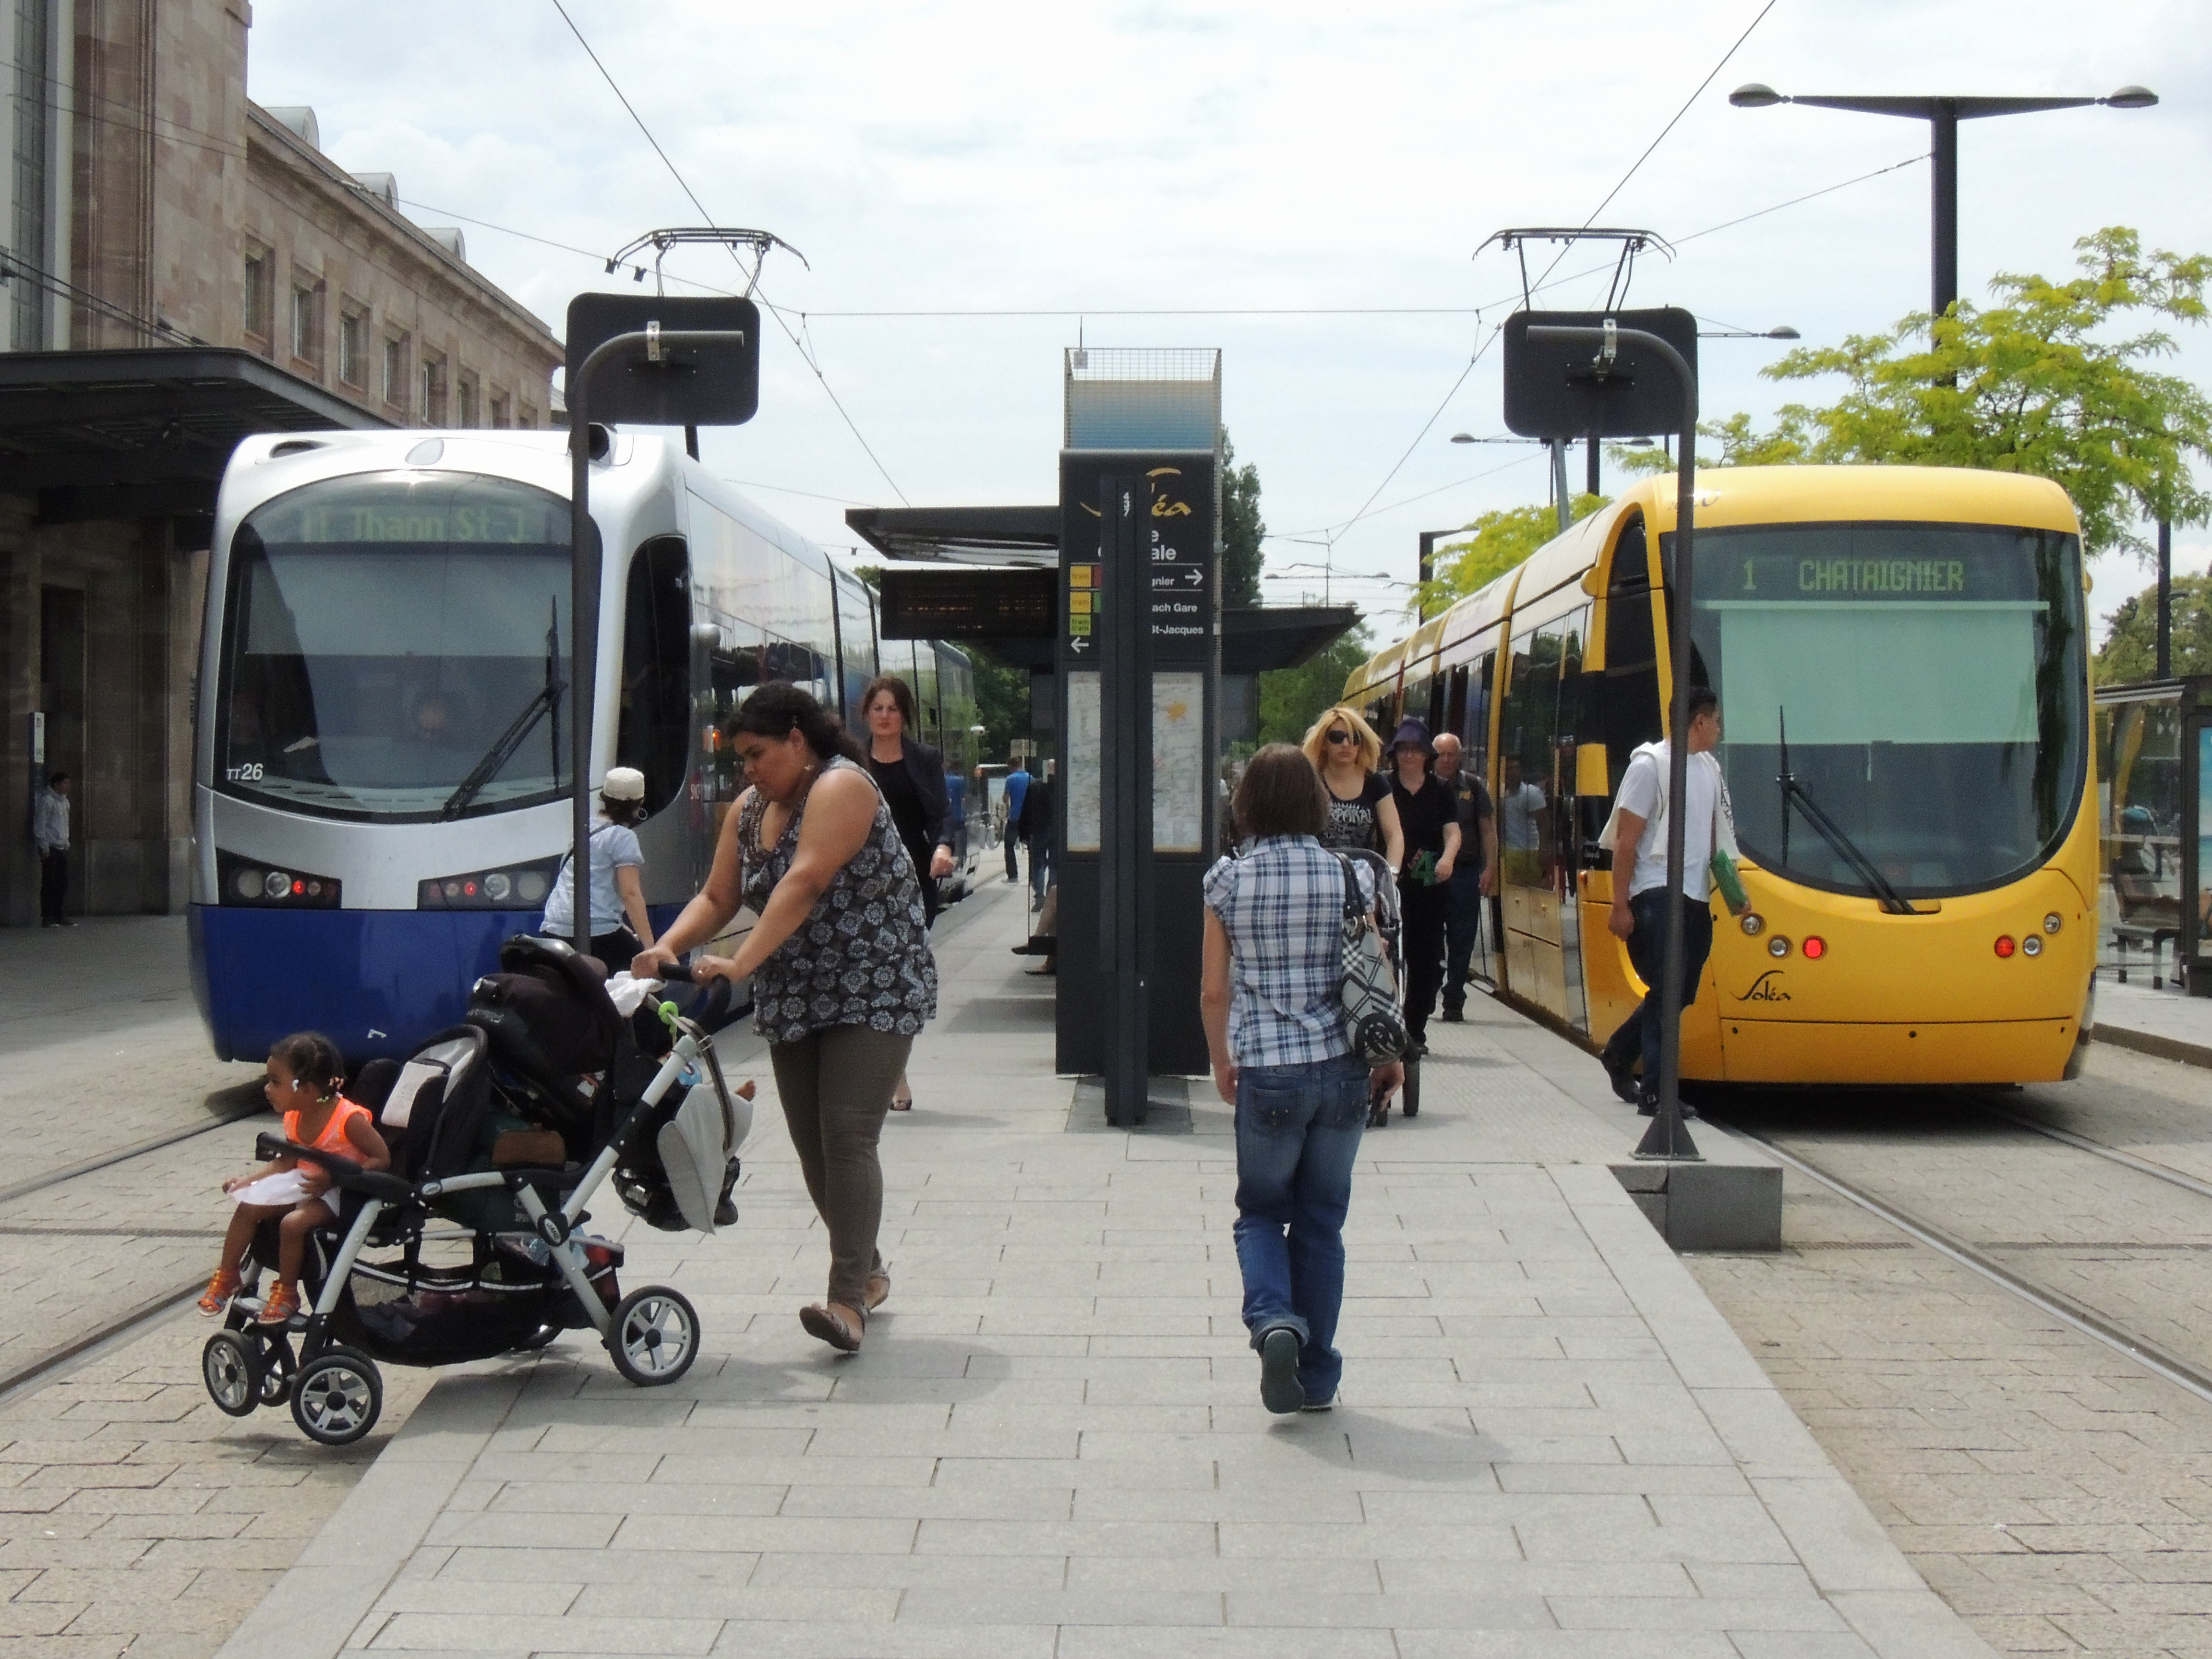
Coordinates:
(1640,893)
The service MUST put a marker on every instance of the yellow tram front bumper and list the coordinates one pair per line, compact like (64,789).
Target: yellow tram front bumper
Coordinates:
(1931,1052)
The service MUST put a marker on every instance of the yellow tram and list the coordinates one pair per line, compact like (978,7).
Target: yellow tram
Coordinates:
(1902,663)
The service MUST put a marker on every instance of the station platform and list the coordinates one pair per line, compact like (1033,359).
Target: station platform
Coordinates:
(2166,1021)
(1548,1442)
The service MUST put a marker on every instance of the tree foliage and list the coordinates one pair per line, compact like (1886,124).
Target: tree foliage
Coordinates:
(2131,651)
(1002,704)
(1292,699)
(1500,541)
(2055,380)
(1243,529)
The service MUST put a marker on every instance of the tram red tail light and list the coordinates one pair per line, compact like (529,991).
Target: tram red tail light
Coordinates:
(1815,948)
(2005,947)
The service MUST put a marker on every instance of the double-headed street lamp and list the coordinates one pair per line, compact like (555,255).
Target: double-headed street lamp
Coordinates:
(1943,116)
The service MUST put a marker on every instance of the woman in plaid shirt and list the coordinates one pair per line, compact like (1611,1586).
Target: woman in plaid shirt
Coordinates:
(1271,991)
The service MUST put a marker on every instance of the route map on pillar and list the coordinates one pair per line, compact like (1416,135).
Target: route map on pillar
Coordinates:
(1183,562)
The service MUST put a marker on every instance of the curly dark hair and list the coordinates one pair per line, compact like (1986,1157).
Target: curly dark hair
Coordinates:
(779,708)
(311,1057)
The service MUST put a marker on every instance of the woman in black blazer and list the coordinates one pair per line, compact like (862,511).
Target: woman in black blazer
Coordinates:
(911,775)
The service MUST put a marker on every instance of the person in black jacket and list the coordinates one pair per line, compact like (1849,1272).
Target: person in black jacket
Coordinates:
(911,775)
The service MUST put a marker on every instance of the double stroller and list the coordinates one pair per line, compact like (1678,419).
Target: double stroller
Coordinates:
(501,1130)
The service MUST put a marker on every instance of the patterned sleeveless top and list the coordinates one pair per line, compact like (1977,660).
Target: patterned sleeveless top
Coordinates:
(862,957)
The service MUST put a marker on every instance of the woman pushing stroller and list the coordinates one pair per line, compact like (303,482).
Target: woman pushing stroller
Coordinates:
(301,1087)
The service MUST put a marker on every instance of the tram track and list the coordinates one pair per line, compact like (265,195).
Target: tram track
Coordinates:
(1980,1259)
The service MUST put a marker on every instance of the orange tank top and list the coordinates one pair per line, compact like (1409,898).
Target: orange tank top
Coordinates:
(333,1137)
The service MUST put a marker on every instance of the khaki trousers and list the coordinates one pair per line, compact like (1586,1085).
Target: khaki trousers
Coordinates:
(836,1086)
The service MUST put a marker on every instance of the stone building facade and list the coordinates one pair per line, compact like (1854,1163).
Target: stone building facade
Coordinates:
(155,212)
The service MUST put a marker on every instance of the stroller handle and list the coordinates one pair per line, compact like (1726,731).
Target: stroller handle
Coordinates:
(345,1175)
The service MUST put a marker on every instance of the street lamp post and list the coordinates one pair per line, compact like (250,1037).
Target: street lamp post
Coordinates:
(1943,116)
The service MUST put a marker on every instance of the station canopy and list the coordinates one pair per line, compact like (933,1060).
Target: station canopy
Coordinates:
(120,434)
(997,600)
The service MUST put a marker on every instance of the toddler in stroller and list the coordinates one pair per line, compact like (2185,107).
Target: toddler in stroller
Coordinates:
(493,1160)
(303,1088)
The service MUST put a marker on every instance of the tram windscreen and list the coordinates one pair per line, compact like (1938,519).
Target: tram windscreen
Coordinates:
(1904,696)
(396,649)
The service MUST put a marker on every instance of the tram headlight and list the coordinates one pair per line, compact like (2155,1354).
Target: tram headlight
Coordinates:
(509,887)
(1754,923)
(244,881)
(2053,922)
(2030,946)
(1777,946)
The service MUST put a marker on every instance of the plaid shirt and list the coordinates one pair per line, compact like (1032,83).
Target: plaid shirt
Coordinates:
(1281,901)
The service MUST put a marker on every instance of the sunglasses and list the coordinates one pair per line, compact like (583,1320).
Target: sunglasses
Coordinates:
(1339,735)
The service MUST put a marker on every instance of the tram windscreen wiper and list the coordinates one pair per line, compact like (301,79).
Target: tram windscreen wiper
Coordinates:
(546,701)
(1794,793)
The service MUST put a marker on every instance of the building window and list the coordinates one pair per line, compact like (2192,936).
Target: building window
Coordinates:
(307,325)
(353,346)
(258,286)
(434,389)
(395,371)
(528,419)
(502,411)
(464,399)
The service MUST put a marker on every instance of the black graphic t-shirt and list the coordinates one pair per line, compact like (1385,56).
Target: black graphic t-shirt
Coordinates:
(1352,823)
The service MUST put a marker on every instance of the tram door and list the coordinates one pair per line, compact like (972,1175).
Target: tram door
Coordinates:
(1539,845)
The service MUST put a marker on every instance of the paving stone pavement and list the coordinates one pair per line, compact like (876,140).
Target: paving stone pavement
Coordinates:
(135,1518)
(86,1008)
(2054,1492)
(1549,1441)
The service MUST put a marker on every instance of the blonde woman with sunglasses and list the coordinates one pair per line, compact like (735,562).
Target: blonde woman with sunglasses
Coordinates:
(1345,751)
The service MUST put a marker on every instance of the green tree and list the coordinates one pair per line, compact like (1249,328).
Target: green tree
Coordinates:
(1292,699)
(1002,704)
(1500,541)
(2131,650)
(2055,380)
(1243,529)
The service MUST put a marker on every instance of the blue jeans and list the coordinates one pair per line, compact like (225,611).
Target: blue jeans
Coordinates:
(1647,949)
(1298,1133)
(1463,921)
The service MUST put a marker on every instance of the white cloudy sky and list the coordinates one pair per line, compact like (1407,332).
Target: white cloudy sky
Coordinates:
(1241,160)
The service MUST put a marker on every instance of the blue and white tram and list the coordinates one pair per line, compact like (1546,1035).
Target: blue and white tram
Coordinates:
(382,755)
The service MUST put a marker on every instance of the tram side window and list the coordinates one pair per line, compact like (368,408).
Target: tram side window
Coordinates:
(1525,803)
(654,733)
(1623,699)
(734,671)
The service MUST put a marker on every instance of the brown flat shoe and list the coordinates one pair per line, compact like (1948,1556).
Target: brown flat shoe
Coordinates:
(879,1291)
(898,1105)
(828,1323)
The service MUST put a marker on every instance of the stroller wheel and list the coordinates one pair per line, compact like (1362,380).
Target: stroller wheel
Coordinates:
(273,1359)
(338,1397)
(653,1336)
(542,1337)
(1413,1096)
(233,1379)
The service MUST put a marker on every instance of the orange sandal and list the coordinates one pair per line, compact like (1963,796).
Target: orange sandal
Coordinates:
(282,1308)
(221,1287)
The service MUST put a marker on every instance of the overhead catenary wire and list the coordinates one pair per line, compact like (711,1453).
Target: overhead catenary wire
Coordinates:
(798,342)
(1438,414)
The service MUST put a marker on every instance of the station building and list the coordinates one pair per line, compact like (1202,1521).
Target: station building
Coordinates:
(180,267)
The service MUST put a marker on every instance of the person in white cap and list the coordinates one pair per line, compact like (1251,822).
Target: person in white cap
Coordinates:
(616,893)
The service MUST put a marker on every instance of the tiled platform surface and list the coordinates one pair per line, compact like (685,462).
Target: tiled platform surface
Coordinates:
(1549,1441)
(2168,1022)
